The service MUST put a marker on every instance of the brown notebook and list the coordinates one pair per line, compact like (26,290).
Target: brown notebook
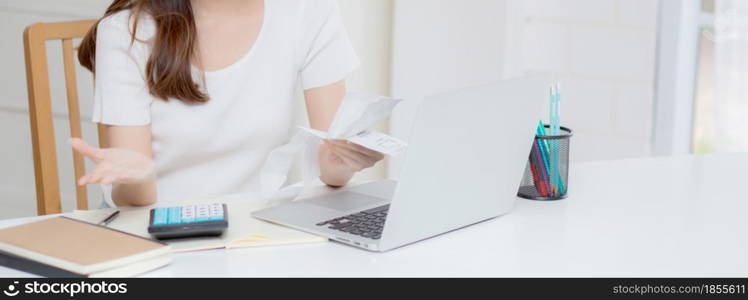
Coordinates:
(82,248)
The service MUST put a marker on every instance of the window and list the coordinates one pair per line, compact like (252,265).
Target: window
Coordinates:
(721,95)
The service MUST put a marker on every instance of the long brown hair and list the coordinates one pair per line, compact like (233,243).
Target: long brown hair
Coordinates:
(168,70)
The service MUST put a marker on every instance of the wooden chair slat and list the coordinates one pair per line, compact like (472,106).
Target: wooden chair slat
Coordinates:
(40,109)
(71,89)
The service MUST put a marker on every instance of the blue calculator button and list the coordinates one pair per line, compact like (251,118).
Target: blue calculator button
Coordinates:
(202,219)
(216,218)
(160,216)
(175,215)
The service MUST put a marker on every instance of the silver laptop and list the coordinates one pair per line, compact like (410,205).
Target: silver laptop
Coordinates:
(464,163)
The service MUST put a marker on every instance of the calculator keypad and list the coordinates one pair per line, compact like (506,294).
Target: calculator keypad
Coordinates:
(188,214)
(188,221)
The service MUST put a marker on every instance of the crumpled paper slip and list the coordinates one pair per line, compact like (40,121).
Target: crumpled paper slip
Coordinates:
(376,141)
(356,114)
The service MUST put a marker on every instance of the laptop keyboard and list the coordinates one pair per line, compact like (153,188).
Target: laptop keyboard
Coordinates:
(367,223)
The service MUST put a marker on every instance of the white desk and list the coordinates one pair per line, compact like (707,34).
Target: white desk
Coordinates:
(676,216)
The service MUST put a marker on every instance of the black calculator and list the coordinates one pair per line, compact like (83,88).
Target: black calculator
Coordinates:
(188,221)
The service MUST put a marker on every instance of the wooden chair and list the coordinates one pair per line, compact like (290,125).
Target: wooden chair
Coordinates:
(40,110)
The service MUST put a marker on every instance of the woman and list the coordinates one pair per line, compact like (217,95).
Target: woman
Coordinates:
(195,94)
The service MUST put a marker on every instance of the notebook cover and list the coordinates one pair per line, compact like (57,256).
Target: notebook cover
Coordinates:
(66,242)
(34,267)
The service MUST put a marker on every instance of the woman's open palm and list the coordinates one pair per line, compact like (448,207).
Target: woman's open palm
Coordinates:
(114,165)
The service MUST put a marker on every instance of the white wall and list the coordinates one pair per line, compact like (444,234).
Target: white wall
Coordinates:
(603,53)
(439,45)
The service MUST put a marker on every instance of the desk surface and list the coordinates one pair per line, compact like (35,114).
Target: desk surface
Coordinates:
(670,216)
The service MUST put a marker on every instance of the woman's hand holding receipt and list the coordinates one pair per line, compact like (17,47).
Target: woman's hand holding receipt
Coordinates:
(344,157)
(348,155)
(345,148)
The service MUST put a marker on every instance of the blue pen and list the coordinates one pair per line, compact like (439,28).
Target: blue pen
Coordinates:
(552,144)
(557,110)
(543,149)
(540,131)
(556,130)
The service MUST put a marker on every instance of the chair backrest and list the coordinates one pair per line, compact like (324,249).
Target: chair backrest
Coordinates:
(40,110)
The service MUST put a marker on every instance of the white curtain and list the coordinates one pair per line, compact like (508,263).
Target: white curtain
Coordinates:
(731,76)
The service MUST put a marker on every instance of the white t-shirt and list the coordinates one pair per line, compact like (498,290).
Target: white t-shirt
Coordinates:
(218,148)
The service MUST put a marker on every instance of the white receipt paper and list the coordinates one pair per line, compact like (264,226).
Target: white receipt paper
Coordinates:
(376,141)
(356,114)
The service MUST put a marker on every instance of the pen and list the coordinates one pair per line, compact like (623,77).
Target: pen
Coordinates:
(552,144)
(109,219)
(542,167)
(544,148)
(555,126)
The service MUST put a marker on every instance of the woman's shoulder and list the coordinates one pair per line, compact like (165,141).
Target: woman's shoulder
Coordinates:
(122,22)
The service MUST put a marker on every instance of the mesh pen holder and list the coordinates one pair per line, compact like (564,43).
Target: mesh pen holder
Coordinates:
(547,171)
